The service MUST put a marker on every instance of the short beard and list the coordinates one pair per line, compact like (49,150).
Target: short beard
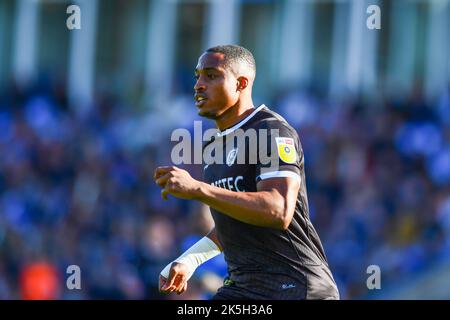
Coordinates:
(208,115)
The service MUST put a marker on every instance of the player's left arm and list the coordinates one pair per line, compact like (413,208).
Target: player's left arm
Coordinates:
(271,206)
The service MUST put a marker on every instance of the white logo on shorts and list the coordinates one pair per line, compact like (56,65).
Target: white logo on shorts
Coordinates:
(287,286)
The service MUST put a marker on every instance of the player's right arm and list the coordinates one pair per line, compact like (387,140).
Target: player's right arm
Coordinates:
(175,275)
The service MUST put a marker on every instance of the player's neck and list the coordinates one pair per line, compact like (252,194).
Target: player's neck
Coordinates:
(234,115)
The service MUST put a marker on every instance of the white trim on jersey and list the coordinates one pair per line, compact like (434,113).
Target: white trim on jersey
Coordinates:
(279,174)
(241,123)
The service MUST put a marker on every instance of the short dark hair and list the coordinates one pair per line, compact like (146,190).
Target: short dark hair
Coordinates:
(235,54)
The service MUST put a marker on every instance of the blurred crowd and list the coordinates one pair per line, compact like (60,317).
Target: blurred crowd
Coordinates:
(76,188)
(378,175)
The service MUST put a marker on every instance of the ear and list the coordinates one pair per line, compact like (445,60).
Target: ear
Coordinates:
(242,83)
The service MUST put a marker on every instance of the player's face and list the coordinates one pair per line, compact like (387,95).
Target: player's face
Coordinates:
(216,86)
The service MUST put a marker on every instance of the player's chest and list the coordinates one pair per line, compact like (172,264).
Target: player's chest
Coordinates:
(227,166)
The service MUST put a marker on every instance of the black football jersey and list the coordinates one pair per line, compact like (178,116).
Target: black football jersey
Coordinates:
(265,262)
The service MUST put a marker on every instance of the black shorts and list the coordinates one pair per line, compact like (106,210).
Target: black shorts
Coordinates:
(262,289)
(278,287)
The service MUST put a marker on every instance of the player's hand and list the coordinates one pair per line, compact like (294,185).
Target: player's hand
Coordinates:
(177,281)
(177,182)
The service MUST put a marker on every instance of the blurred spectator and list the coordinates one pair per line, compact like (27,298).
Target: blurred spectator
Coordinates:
(39,281)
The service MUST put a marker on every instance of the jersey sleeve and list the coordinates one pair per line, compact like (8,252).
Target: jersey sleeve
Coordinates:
(279,152)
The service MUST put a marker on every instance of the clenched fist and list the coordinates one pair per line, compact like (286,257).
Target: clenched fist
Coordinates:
(177,182)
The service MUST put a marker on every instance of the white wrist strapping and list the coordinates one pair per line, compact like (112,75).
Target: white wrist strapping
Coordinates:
(200,252)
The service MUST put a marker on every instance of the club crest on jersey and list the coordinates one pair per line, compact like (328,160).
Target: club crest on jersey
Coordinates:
(232,156)
(286,149)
